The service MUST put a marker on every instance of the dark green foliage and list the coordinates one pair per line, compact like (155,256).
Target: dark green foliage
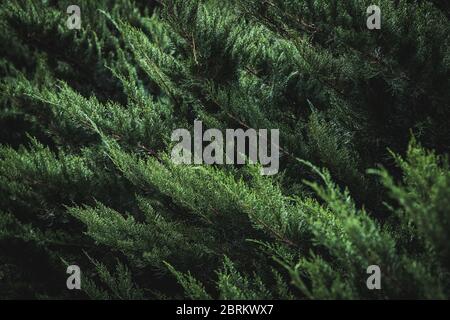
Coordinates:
(86,178)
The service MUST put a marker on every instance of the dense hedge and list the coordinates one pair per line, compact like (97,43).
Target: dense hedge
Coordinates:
(86,118)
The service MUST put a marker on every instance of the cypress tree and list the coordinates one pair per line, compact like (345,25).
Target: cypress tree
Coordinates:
(86,177)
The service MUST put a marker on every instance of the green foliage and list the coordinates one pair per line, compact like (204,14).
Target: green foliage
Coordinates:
(86,178)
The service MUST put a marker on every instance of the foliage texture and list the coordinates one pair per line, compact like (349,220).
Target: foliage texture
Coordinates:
(86,178)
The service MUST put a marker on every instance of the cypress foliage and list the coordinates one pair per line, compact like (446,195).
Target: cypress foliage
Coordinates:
(86,118)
